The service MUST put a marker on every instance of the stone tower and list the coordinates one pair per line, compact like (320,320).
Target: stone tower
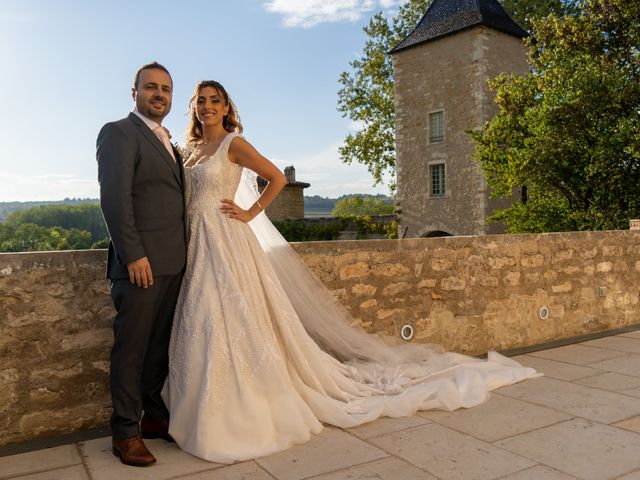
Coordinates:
(441,72)
(290,203)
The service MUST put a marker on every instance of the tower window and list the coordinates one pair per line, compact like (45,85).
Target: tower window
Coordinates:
(436,127)
(437,179)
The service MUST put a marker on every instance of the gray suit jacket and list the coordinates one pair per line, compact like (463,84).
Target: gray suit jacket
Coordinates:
(142,198)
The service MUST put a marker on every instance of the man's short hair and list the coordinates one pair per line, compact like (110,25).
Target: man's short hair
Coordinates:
(149,66)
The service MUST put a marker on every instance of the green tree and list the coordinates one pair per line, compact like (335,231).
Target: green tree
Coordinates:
(52,227)
(301,231)
(104,243)
(28,237)
(84,216)
(25,238)
(526,12)
(75,239)
(361,205)
(366,93)
(569,132)
(366,90)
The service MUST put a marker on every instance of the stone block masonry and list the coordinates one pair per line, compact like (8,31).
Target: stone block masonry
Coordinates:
(479,293)
(469,294)
(55,338)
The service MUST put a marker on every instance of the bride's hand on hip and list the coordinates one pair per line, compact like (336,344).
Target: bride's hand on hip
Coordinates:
(231,210)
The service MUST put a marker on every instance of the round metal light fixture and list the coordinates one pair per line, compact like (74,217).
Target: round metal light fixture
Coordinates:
(543,313)
(406,332)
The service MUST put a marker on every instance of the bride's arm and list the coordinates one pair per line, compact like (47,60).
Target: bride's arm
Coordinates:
(243,153)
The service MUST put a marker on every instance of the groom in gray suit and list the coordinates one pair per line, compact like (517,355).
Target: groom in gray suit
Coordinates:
(142,200)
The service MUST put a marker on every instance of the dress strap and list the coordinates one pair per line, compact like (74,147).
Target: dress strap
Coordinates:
(227,142)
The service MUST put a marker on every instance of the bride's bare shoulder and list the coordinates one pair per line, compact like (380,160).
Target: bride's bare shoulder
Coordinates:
(240,144)
(240,148)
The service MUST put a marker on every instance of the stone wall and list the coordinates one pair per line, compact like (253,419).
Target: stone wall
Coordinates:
(55,333)
(470,294)
(475,294)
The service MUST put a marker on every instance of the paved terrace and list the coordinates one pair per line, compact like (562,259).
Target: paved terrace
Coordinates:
(580,421)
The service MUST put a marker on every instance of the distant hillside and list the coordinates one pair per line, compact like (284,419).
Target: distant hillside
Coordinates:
(317,206)
(314,206)
(8,207)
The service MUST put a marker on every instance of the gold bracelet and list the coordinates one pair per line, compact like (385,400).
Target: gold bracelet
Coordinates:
(258,203)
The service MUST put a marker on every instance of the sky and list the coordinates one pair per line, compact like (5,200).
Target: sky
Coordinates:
(67,68)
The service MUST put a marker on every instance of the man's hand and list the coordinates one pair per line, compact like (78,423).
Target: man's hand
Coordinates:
(140,272)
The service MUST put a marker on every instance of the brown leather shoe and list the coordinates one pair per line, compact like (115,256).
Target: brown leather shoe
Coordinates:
(132,451)
(155,429)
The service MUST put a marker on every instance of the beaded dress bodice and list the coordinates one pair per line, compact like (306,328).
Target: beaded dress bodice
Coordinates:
(213,179)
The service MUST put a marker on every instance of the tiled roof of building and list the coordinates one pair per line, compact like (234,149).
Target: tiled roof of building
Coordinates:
(445,17)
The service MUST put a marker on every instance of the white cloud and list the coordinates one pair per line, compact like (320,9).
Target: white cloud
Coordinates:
(19,188)
(307,13)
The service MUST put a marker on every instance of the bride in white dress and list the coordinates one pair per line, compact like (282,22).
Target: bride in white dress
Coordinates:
(261,355)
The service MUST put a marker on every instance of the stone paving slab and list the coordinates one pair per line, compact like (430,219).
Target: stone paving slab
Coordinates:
(312,458)
(171,462)
(76,472)
(632,424)
(386,469)
(555,369)
(634,334)
(634,392)
(577,354)
(614,382)
(630,476)
(38,461)
(499,418)
(621,344)
(626,365)
(578,400)
(386,425)
(450,455)
(239,471)
(538,473)
(582,448)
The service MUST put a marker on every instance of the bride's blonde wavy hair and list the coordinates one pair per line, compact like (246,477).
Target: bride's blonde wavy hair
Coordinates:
(231,121)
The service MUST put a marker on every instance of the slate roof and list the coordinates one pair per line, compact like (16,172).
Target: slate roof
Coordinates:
(445,17)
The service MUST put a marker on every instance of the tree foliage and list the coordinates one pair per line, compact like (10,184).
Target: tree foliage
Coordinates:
(300,231)
(28,237)
(366,93)
(7,208)
(526,12)
(366,225)
(366,90)
(54,227)
(570,130)
(84,216)
(361,205)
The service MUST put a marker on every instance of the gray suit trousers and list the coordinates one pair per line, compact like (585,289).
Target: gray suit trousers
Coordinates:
(139,358)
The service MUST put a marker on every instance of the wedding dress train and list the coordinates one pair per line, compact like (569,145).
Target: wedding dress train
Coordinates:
(260,356)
